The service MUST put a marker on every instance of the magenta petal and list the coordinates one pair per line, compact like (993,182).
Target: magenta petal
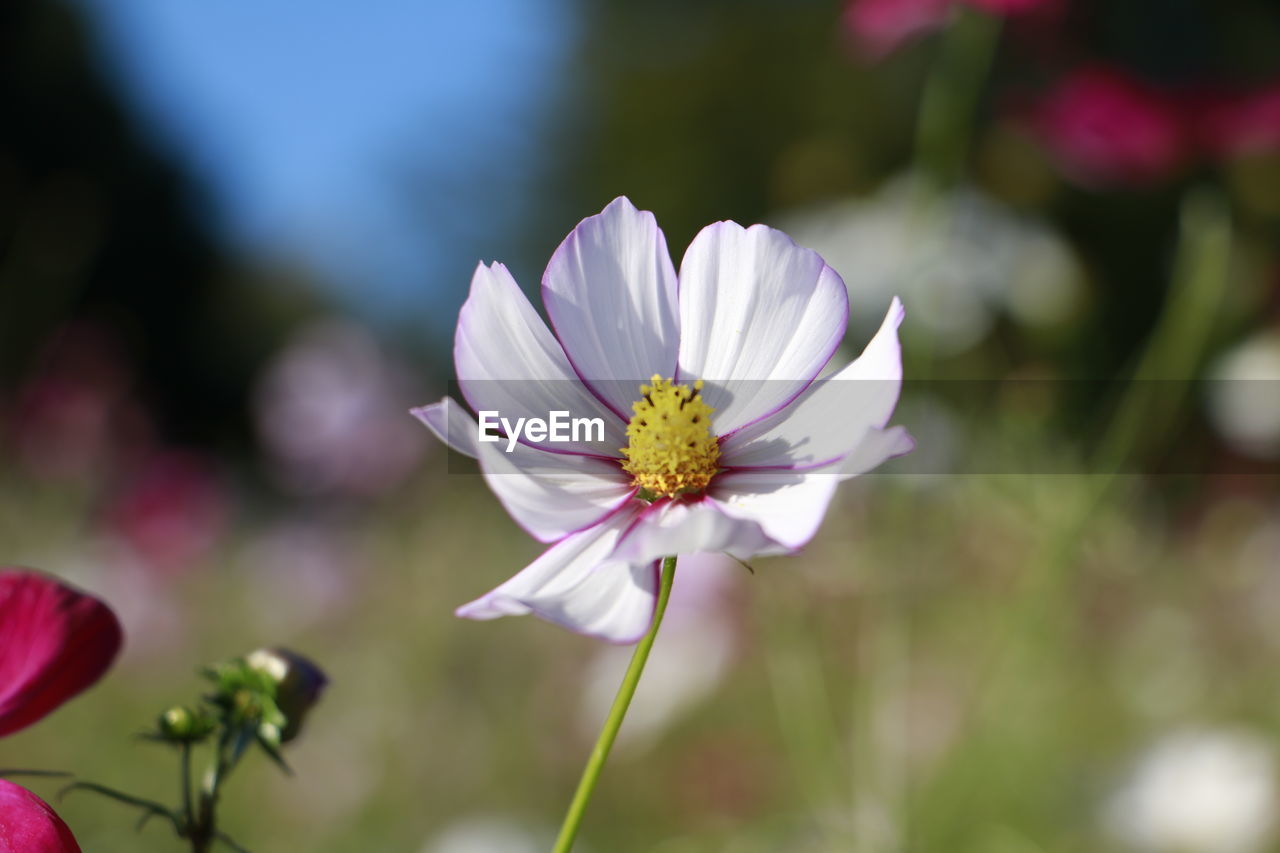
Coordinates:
(54,643)
(28,825)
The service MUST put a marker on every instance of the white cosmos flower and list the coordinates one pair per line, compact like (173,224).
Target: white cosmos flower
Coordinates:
(1199,791)
(731,446)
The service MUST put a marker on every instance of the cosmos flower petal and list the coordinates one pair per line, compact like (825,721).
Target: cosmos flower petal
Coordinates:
(759,317)
(552,495)
(509,362)
(610,291)
(615,602)
(830,418)
(577,584)
(787,505)
(671,527)
(877,446)
(29,825)
(548,494)
(450,422)
(54,643)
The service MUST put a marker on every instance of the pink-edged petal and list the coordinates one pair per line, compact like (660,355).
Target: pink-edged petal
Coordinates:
(450,422)
(548,494)
(759,317)
(509,362)
(675,528)
(610,291)
(577,583)
(787,505)
(54,643)
(29,825)
(876,447)
(833,414)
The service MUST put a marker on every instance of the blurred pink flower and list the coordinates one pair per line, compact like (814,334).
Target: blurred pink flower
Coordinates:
(328,412)
(1105,128)
(170,510)
(29,825)
(1231,125)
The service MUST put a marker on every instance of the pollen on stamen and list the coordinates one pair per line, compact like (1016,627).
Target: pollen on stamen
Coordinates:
(675,452)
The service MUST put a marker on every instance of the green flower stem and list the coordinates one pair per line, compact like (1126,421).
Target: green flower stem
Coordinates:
(951,94)
(205,830)
(184,779)
(604,743)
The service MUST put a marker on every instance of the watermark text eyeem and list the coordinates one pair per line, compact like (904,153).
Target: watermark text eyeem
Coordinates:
(557,428)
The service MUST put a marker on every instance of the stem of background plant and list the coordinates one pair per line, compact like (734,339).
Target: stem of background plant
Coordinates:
(1145,415)
(944,130)
(184,779)
(951,92)
(604,743)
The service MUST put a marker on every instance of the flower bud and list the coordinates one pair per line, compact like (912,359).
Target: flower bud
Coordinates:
(185,725)
(298,681)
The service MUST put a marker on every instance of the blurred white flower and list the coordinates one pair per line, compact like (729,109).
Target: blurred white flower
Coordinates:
(690,657)
(1199,791)
(958,259)
(330,412)
(488,834)
(1243,400)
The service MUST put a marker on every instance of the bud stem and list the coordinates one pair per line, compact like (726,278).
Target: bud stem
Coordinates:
(604,743)
(184,780)
(204,830)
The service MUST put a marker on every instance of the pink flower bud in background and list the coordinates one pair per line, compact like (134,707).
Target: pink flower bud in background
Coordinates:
(28,825)
(54,643)
(1105,128)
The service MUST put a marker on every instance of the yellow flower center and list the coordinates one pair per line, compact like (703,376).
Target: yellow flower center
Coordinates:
(671,449)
